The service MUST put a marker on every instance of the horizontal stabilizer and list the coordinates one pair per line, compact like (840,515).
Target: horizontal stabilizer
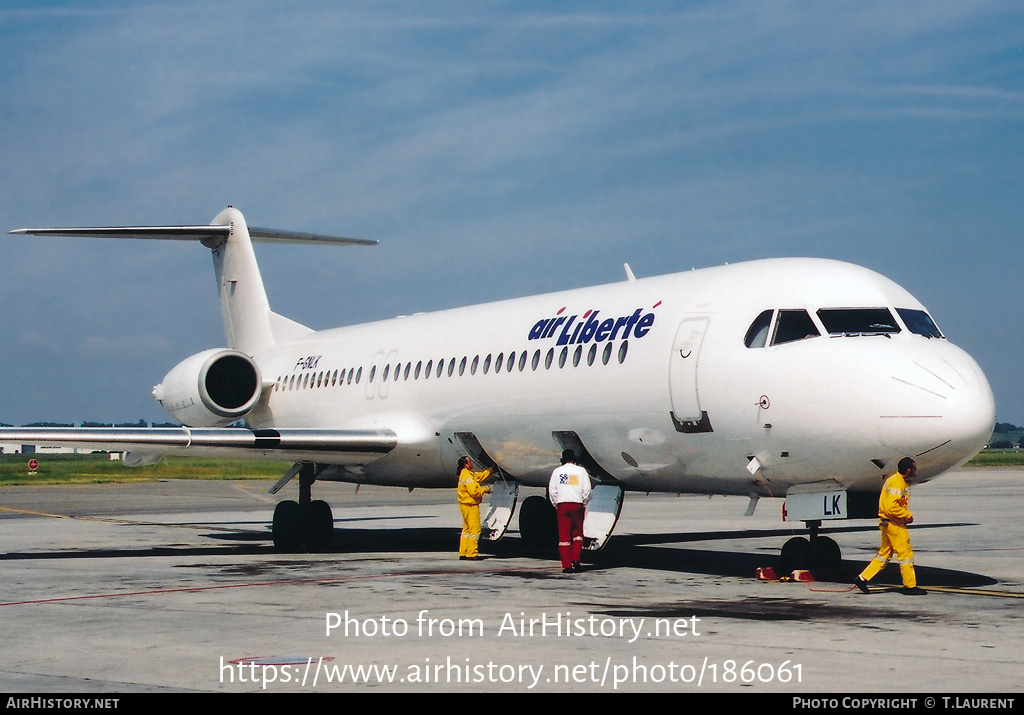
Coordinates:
(344,447)
(212,234)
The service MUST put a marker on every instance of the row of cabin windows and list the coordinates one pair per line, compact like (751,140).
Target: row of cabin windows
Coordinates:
(321,379)
(486,365)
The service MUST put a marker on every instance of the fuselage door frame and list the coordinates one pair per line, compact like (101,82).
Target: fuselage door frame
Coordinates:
(687,415)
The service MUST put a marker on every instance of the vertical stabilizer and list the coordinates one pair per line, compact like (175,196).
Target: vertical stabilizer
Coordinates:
(243,299)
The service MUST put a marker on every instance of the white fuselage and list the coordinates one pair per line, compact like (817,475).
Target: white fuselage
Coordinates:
(655,378)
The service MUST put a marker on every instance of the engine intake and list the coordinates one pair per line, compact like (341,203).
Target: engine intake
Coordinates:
(212,388)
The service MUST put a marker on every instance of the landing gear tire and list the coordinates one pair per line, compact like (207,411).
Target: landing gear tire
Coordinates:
(538,524)
(319,526)
(827,555)
(796,555)
(287,526)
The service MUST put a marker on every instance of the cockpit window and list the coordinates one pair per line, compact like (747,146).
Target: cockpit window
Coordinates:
(919,322)
(794,325)
(757,333)
(858,321)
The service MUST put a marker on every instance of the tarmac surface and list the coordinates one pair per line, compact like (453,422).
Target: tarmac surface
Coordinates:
(175,587)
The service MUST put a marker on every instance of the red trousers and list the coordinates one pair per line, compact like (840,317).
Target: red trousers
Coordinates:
(570,532)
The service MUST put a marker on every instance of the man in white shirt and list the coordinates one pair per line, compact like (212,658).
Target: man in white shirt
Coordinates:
(569,491)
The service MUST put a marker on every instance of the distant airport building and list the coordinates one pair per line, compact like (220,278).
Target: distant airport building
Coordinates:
(35,449)
(16,448)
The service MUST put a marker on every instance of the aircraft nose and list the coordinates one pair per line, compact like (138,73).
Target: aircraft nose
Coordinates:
(938,409)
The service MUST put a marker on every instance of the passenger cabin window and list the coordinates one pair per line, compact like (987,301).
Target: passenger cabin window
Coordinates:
(919,322)
(858,321)
(794,325)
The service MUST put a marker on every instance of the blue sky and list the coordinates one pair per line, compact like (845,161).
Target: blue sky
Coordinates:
(495,150)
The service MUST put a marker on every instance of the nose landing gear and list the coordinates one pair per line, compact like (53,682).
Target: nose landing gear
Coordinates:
(816,553)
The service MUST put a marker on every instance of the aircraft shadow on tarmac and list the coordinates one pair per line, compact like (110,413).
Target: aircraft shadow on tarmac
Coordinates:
(648,551)
(643,551)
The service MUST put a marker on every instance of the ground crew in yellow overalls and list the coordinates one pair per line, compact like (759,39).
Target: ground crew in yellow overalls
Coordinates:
(894,516)
(470,493)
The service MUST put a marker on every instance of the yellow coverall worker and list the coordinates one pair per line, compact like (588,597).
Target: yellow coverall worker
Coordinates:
(894,515)
(470,493)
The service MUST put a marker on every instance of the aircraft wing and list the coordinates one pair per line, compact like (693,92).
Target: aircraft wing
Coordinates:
(346,447)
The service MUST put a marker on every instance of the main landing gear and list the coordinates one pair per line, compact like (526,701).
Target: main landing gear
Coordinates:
(306,523)
(816,553)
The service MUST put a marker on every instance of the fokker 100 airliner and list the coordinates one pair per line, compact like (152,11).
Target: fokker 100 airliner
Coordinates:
(797,378)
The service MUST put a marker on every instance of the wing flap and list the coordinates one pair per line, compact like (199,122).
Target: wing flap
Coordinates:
(344,447)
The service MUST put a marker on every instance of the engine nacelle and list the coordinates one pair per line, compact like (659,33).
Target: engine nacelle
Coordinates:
(212,388)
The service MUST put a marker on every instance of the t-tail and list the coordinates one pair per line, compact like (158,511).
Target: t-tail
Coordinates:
(249,323)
